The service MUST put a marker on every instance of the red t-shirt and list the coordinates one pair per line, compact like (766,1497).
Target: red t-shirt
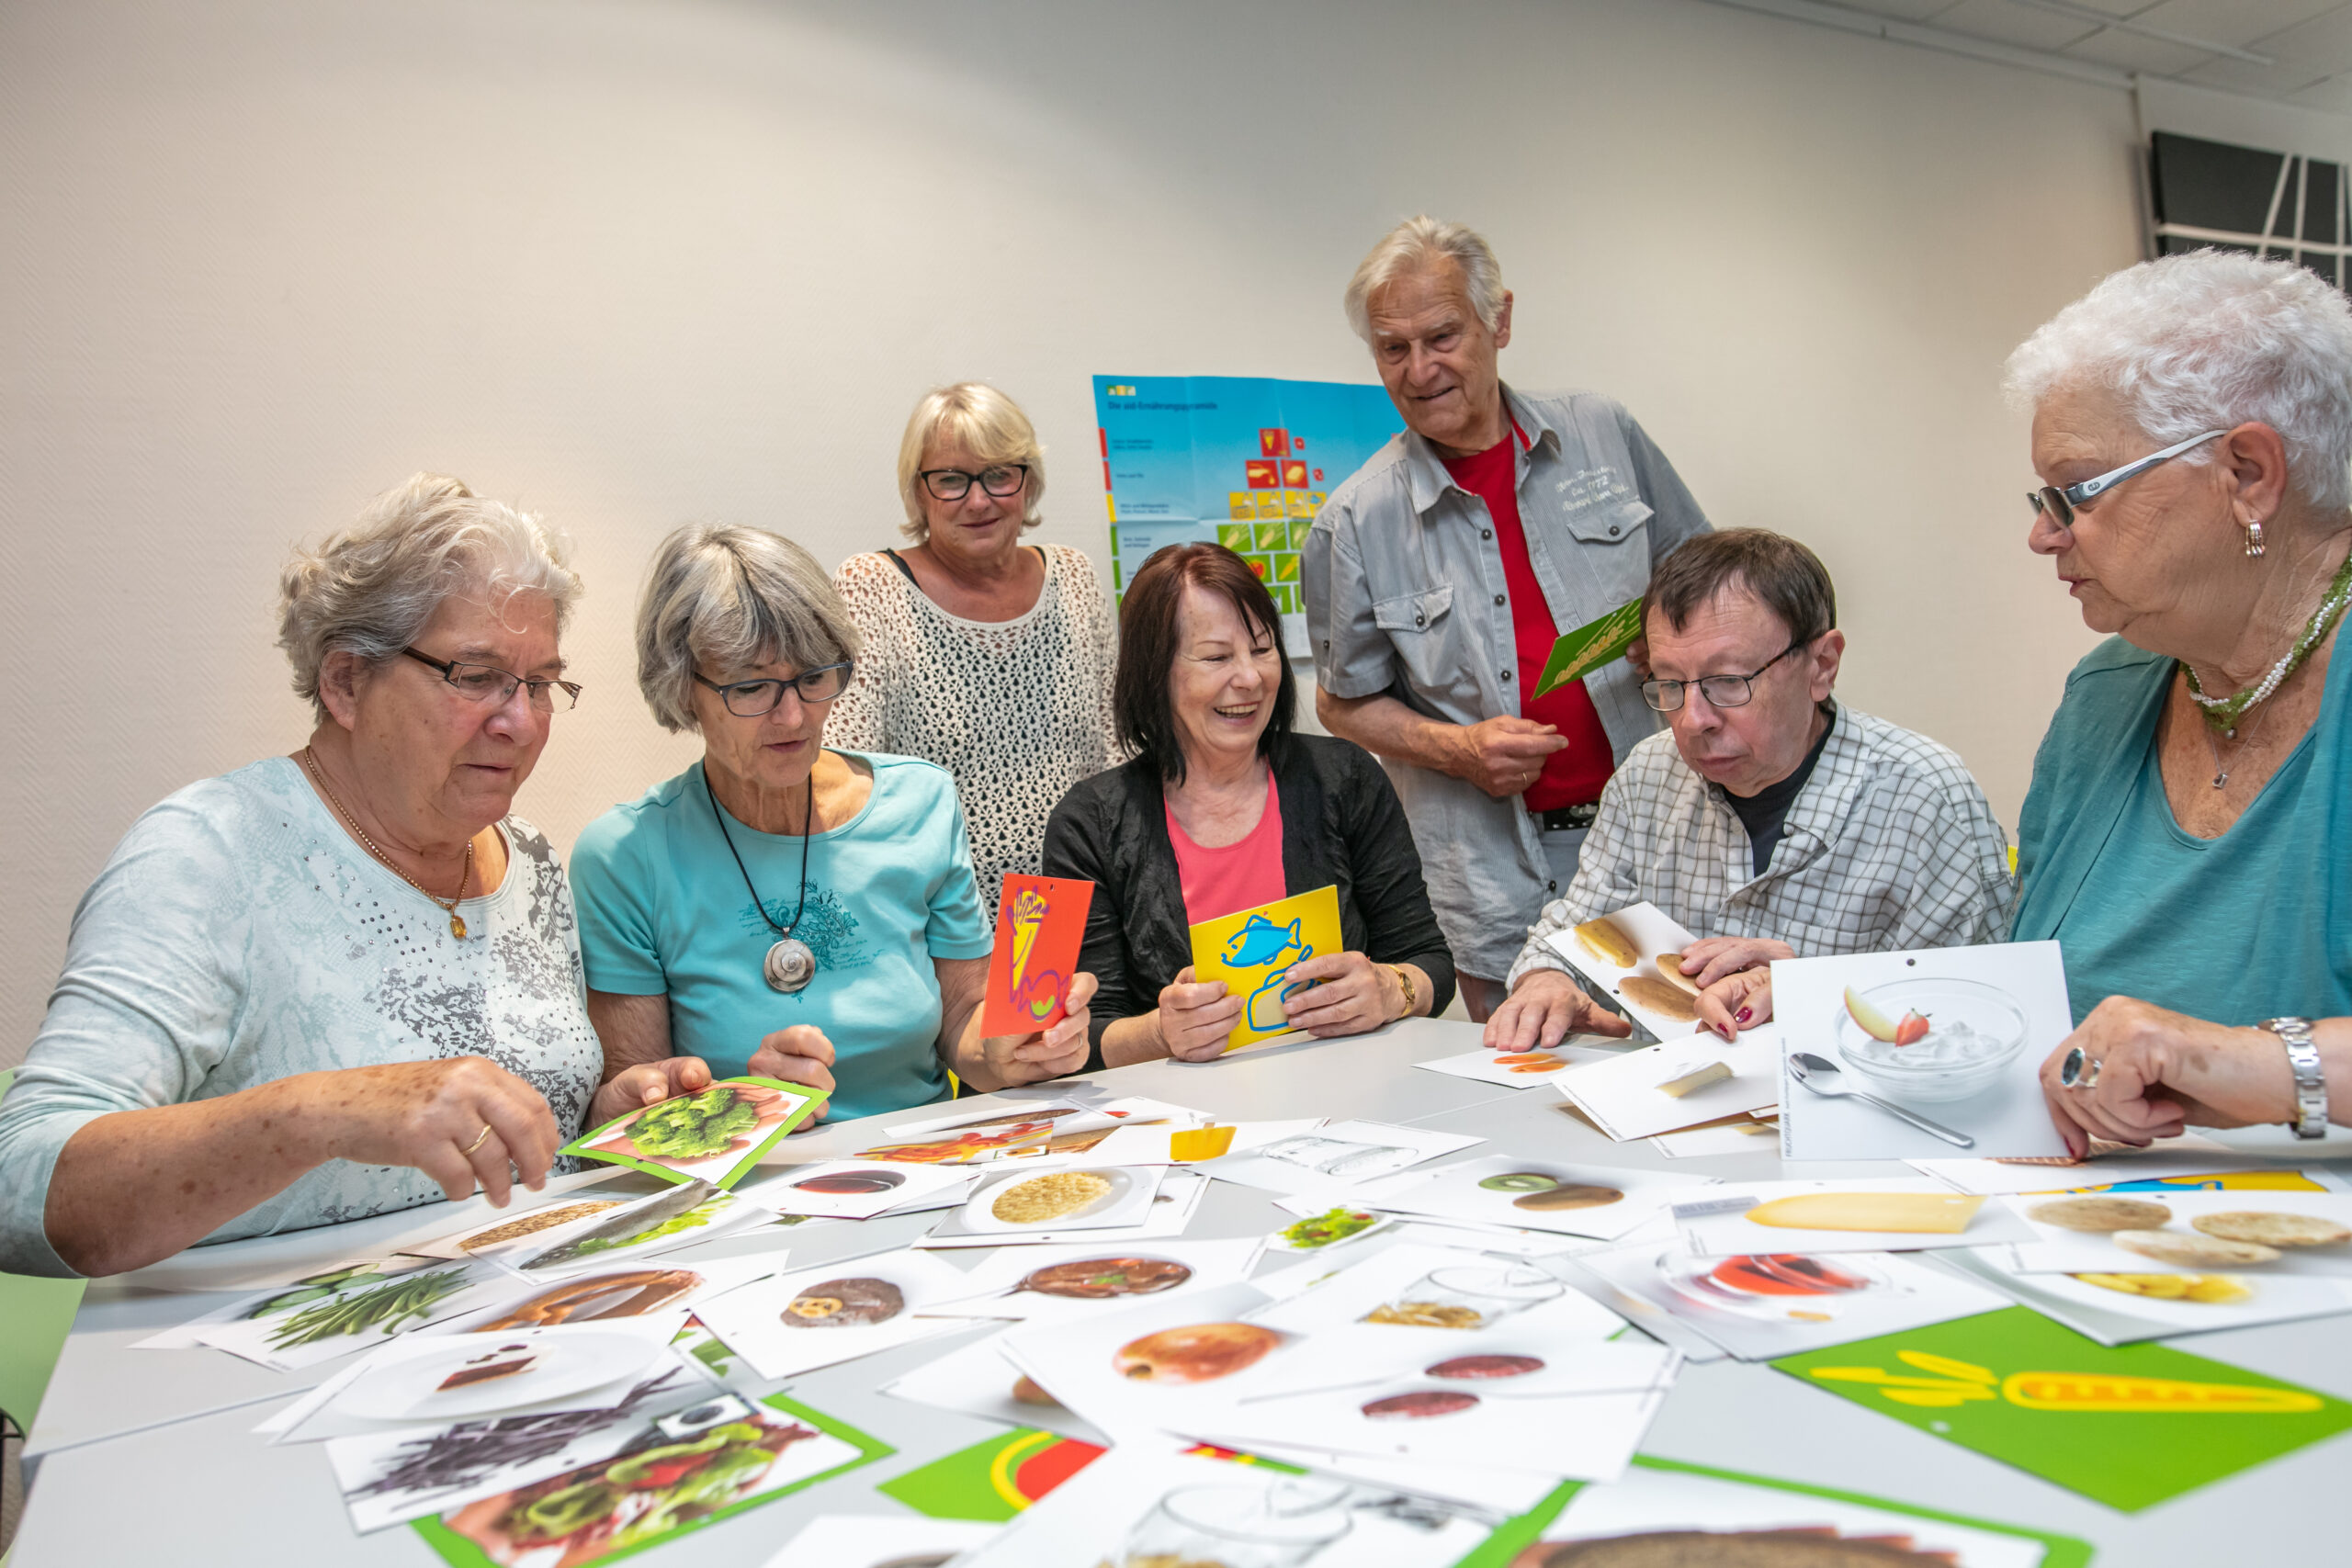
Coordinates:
(1237,876)
(1575,775)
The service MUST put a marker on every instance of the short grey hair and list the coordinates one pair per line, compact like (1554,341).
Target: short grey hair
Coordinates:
(2211,339)
(1419,243)
(990,425)
(737,597)
(372,588)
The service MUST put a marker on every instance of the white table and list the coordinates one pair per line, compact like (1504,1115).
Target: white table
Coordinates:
(149,1456)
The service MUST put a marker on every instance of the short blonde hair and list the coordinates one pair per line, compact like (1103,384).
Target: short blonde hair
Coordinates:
(737,597)
(372,588)
(990,425)
(1419,243)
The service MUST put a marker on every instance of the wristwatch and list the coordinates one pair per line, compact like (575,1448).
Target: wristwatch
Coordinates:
(1412,998)
(2311,1082)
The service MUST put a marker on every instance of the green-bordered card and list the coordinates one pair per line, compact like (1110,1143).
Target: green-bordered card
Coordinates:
(992,1480)
(2126,1426)
(716,1135)
(655,1493)
(1580,652)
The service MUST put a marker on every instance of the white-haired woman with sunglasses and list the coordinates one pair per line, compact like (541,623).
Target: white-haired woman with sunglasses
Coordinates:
(780,908)
(2190,817)
(342,982)
(987,656)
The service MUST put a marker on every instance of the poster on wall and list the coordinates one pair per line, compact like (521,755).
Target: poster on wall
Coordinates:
(1241,461)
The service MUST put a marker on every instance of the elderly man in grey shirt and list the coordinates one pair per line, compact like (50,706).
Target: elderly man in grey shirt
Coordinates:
(1438,575)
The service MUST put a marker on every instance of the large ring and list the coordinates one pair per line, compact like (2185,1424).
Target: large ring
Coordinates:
(480,1138)
(2078,1071)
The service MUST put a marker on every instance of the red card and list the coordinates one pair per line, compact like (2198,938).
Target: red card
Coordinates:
(1040,924)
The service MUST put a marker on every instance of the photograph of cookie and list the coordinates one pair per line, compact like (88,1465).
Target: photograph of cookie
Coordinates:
(539,1219)
(1053,1196)
(2099,1216)
(1606,941)
(2263,1228)
(1669,968)
(845,1303)
(1419,1406)
(1563,1195)
(1653,994)
(2191,1250)
(1466,1368)
(1100,1278)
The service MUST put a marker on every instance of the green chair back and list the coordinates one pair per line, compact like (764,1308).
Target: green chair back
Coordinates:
(34,1315)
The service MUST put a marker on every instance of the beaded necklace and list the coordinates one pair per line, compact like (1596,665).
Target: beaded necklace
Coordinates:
(2223,713)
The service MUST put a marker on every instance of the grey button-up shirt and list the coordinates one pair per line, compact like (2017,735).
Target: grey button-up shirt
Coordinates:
(1405,595)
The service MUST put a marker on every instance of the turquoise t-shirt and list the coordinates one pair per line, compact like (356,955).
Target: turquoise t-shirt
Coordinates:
(2252,925)
(664,911)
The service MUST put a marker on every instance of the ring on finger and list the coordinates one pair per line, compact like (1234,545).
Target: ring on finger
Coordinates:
(2078,1070)
(480,1138)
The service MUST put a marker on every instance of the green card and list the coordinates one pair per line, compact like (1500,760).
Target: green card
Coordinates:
(992,1480)
(716,1135)
(1590,646)
(2126,1426)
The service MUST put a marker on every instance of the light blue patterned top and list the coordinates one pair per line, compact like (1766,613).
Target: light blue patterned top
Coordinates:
(238,936)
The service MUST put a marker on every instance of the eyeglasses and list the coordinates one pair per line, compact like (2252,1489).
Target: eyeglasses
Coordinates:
(1721,691)
(999,479)
(757,699)
(2061,503)
(489,683)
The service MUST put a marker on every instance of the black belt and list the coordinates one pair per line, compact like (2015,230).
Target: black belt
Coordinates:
(1567,818)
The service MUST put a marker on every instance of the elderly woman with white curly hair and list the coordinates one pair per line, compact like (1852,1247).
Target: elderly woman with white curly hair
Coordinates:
(339,983)
(2190,817)
(781,908)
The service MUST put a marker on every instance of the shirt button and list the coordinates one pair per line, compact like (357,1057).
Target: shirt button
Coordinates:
(1499,598)
(1612,530)
(1551,887)
(1505,674)
(1486,533)
(1419,619)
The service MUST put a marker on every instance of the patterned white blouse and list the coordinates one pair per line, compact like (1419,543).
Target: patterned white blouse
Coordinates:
(1018,710)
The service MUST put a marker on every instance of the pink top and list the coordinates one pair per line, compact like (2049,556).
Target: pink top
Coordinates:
(1237,876)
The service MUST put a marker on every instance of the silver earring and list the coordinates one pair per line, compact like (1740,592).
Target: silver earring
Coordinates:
(2254,541)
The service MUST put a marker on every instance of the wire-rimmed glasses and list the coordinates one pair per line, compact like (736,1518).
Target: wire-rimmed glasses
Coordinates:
(1721,691)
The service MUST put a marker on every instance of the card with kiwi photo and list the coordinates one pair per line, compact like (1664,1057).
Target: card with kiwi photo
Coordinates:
(1602,1202)
(2260,1233)
(715,1135)
(1634,955)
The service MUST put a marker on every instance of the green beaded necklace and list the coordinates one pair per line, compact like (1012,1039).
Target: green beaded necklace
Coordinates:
(2223,713)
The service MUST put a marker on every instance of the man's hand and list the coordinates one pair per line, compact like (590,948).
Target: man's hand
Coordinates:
(1742,999)
(1503,756)
(1196,1017)
(1711,959)
(1058,1051)
(1544,1009)
(799,1055)
(648,1083)
(1356,995)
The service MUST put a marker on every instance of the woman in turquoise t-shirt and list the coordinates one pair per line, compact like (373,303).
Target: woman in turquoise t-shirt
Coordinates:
(779,909)
(2187,835)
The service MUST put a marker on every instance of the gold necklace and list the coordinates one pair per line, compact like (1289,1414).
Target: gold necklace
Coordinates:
(448,906)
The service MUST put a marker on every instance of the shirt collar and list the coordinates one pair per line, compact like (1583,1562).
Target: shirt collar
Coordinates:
(1425,472)
(1821,805)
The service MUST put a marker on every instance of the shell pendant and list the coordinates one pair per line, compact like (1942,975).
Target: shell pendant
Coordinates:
(790,965)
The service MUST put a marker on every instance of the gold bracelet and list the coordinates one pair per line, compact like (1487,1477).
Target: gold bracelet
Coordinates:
(1412,996)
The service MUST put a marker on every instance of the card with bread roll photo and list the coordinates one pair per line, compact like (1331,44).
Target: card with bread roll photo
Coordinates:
(1680,1083)
(2138,1231)
(1903,1214)
(1634,954)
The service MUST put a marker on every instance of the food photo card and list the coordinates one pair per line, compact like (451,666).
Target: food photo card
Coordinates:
(1157,1366)
(1599,1202)
(2269,1234)
(1414,1284)
(1756,1133)
(1901,1214)
(837,1312)
(1682,1083)
(1047,1131)
(2123,1307)
(855,1190)
(976,1380)
(1163,1142)
(677,1216)
(1252,949)
(1015,1205)
(716,1134)
(1531,1069)
(282,1296)
(2190,1159)
(881,1541)
(1953,1035)
(1635,956)
(1335,1156)
(518,1223)
(628,1290)
(1089,1278)
(1165,1218)
(1040,924)
(339,1313)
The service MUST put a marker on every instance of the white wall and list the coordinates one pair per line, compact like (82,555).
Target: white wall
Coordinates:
(638,264)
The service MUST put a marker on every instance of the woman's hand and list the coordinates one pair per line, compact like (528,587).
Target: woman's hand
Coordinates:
(1739,1001)
(1544,1009)
(1056,1052)
(1196,1017)
(799,1055)
(2160,1072)
(1714,958)
(434,1116)
(1355,995)
(648,1083)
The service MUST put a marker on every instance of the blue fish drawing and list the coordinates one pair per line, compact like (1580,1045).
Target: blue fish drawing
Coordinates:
(1260,942)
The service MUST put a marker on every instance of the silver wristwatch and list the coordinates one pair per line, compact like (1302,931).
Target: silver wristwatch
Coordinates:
(2311,1082)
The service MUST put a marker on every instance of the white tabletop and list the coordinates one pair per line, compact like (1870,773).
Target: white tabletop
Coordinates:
(150,1455)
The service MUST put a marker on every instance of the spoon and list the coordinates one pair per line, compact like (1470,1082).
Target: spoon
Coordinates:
(1821,1075)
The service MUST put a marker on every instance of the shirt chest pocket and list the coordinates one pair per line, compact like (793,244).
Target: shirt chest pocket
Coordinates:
(1427,636)
(1614,545)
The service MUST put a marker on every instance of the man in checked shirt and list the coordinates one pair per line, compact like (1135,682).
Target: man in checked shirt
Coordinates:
(1769,821)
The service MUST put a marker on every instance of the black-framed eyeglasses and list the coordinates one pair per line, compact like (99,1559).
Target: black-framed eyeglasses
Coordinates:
(2061,503)
(489,683)
(757,699)
(1721,691)
(998,479)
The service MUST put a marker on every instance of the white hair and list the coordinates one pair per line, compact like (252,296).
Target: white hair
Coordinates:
(2213,339)
(1423,242)
(372,588)
(990,425)
(737,597)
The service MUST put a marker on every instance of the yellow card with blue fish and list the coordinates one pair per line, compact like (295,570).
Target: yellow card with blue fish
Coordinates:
(1252,949)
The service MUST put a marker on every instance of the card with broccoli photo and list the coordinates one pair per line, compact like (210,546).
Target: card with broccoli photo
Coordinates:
(716,1134)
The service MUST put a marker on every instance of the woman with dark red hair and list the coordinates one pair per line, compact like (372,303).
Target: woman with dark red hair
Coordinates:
(1221,809)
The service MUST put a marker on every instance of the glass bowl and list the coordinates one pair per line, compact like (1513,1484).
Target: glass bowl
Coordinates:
(1976,1030)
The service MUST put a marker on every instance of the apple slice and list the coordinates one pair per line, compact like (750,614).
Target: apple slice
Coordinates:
(1868,1020)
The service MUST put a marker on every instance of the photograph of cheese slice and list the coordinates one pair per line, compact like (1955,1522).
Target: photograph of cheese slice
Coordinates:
(1932,1213)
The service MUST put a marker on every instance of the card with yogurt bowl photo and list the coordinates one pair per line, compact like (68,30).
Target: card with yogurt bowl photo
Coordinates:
(716,1134)
(1634,955)
(1933,1054)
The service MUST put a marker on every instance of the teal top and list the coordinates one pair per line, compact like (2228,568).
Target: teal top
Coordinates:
(2252,925)
(664,911)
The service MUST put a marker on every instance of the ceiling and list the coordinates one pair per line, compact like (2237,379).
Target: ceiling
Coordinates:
(2307,42)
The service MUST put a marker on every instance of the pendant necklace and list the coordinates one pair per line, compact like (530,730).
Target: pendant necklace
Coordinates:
(2221,773)
(789,965)
(446,906)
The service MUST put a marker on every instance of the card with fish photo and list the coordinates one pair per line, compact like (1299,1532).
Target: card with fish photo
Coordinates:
(1335,1156)
(1953,1036)
(1088,1279)
(1040,925)
(855,1190)
(1032,1202)
(1903,1214)
(1599,1202)
(715,1135)
(835,1311)
(1250,950)
(1634,955)
(1678,1084)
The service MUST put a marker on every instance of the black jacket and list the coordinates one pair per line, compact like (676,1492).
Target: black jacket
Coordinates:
(1342,824)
